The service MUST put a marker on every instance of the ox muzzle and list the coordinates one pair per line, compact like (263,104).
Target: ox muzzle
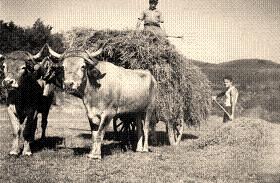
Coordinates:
(73,89)
(9,83)
(69,86)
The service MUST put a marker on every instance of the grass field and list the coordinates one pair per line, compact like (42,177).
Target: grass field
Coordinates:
(215,152)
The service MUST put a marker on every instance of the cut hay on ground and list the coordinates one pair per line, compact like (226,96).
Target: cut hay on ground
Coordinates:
(184,92)
(243,132)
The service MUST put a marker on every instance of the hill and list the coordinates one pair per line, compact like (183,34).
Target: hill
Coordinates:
(240,64)
(247,73)
(250,64)
(257,81)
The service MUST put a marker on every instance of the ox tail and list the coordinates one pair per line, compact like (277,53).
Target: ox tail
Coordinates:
(151,120)
(153,89)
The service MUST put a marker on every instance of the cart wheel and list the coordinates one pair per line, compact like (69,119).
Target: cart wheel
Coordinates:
(174,132)
(124,130)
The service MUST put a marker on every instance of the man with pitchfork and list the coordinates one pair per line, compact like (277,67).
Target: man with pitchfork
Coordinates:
(231,96)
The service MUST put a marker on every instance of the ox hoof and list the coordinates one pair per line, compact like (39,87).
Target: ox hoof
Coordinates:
(26,153)
(94,156)
(139,150)
(145,150)
(14,153)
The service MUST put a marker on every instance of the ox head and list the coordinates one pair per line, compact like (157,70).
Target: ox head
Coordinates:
(16,66)
(77,66)
(52,72)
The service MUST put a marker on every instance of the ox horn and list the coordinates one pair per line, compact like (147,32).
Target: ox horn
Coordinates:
(99,51)
(94,54)
(53,53)
(88,59)
(38,55)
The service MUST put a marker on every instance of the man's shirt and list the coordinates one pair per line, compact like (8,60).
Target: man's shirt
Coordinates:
(231,95)
(151,16)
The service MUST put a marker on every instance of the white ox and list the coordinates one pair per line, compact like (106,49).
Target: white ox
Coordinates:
(108,91)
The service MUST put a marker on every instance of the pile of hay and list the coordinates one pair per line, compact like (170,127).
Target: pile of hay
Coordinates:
(242,132)
(184,91)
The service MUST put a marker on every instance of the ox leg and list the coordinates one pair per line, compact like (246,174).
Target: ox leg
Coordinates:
(152,134)
(16,129)
(97,136)
(146,131)
(29,132)
(139,127)
(46,102)
(44,124)
(91,124)
(96,147)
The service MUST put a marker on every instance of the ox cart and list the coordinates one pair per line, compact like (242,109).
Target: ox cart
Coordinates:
(180,83)
(125,130)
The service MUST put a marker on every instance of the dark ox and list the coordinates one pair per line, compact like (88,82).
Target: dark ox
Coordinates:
(109,91)
(25,97)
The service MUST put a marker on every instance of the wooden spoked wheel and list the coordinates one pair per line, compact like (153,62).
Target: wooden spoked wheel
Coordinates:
(125,130)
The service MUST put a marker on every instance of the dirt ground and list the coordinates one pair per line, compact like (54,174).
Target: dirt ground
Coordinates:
(244,151)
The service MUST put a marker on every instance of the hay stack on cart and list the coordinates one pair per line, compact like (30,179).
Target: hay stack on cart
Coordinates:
(184,91)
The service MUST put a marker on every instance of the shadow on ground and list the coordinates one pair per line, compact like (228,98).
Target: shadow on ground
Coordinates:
(108,136)
(46,143)
(107,149)
(161,138)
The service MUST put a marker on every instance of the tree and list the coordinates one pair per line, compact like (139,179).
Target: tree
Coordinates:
(11,37)
(37,36)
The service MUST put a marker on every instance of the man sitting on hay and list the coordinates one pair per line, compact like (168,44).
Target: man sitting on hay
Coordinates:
(152,19)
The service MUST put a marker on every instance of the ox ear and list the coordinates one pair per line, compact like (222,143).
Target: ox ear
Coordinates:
(2,57)
(94,74)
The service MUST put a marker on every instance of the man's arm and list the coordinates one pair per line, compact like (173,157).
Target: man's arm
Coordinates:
(234,97)
(140,19)
(138,24)
(218,95)
(161,22)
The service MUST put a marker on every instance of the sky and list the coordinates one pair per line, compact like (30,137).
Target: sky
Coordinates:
(213,30)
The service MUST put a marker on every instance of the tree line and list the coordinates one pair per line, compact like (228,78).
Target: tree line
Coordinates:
(14,37)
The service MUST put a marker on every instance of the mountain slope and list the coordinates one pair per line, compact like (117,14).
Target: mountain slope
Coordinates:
(250,64)
(239,64)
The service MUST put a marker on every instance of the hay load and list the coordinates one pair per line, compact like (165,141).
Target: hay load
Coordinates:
(184,91)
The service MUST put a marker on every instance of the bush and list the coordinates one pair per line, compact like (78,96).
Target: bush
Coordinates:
(184,92)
